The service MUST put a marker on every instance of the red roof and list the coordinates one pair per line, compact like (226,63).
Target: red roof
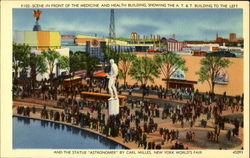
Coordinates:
(80,72)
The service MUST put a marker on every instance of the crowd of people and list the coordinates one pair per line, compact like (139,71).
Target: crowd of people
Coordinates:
(213,136)
(190,136)
(136,120)
(178,146)
(169,135)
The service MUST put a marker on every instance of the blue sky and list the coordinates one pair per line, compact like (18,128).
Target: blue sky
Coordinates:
(186,24)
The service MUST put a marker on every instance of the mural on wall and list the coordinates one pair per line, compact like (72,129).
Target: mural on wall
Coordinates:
(221,77)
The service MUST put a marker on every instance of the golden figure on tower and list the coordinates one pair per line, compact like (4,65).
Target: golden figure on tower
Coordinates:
(36,14)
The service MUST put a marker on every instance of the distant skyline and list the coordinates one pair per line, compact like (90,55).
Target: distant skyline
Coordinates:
(186,24)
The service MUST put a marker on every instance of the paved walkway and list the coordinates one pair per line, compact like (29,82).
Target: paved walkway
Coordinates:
(200,142)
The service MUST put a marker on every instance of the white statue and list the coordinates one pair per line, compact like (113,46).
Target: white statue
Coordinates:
(112,78)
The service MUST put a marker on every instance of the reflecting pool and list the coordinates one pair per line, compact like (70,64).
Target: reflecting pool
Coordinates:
(38,134)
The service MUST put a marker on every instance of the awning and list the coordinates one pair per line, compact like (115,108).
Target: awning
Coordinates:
(100,74)
(80,72)
(176,81)
(72,81)
(73,78)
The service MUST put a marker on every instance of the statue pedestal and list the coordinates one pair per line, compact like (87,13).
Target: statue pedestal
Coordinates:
(113,106)
(37,27)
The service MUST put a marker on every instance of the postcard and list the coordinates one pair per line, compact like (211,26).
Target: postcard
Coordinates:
(124,78)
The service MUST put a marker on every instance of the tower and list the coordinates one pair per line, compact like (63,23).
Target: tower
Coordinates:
(112,27)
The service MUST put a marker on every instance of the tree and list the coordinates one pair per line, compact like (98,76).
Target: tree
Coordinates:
(77,61)
(126,59)
(91,63)
(83,61)
(37,64)
(20,58)
(144,69)
(50,57)
(64,63)
(168,63)
(110,53)
(211,65)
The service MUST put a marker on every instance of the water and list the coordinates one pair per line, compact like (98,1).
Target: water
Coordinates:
(37,134)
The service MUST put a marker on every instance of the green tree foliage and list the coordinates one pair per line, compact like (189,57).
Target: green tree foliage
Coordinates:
(38,63)
(78,61)
(168,63)
(50,57)
(125,62)
(110,53)
(64,63)
(144,69)
(92,61)
(20,60)
(83,61)
(211,65)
